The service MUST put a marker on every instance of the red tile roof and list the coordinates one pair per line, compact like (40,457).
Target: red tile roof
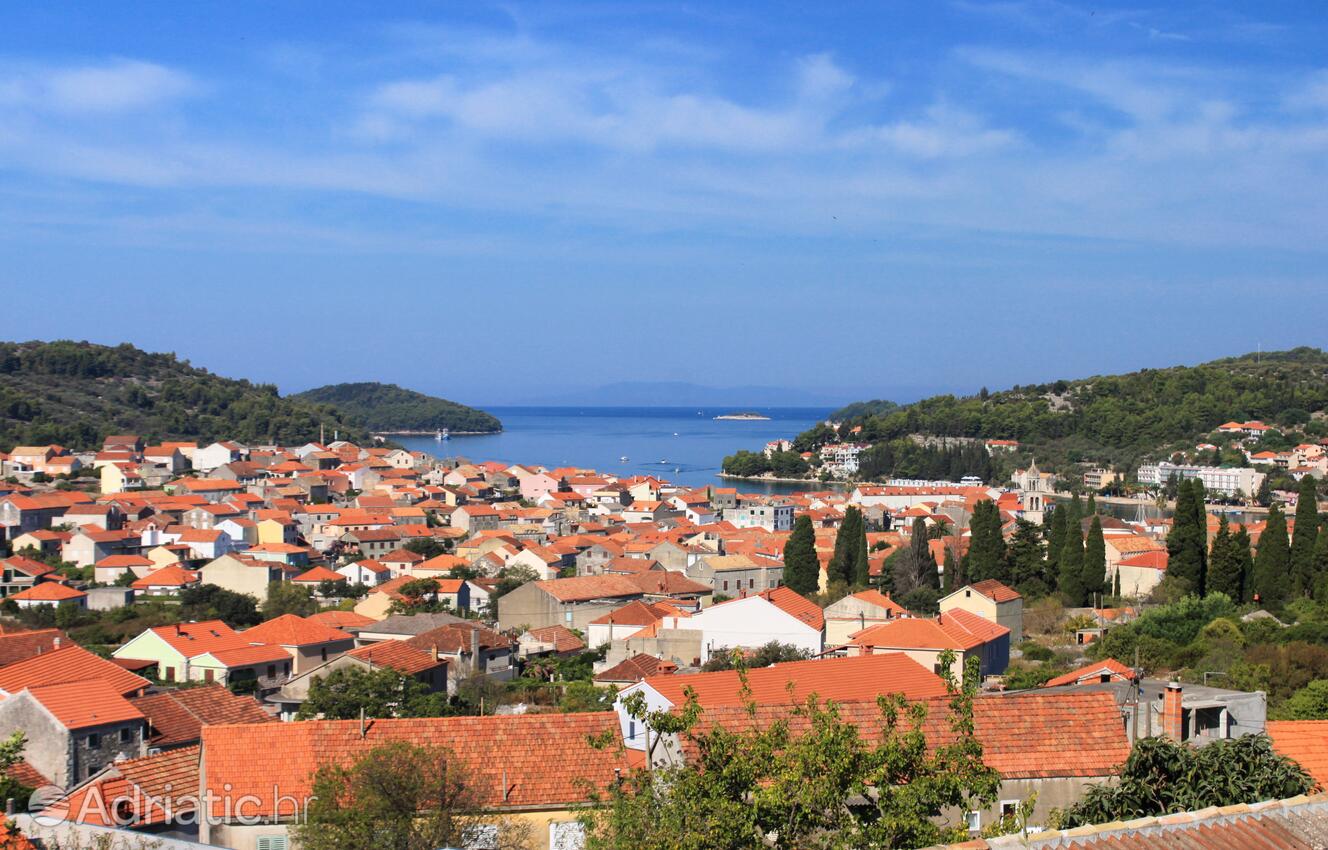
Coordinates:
(1093,672)
(293,630)
(634,669)
(862,677)
(191,639)
(955,629)
(152,790)
(69,663)
(995,591)
(545,760)
(586,588)
(49,591)
(1024,736)
(171,575)
(1304,741)
(396,654)
(80,705)
(178,717)
(17,646)
(340,619)
(317,575)
(562,638)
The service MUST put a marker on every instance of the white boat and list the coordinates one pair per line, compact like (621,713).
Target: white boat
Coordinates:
(624,458)
(438,437)
(445,435)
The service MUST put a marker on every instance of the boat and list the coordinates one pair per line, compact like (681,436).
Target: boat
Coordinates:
(443,435)
(677,469)
(663,462)
(624,459)
(675,433)
(438,437)
(745,416)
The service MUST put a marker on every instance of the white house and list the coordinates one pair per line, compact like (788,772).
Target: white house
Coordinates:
(367,572)
(753,621)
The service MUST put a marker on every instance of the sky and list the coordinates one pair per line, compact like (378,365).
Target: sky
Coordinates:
(496,202)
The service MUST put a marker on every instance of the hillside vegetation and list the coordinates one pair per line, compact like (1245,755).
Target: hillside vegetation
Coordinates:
(1111,418)
(77,393)
(389,408)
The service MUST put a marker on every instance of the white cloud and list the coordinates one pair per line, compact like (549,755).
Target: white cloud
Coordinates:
(118,86)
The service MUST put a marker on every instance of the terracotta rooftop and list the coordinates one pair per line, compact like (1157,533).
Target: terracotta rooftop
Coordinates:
(292,630)
(69,663)
(995,591)
(49,591)
(515,762)
(341,619)
(80,705)
(1304,741)
(840,679)
(156,789)
(562,638)
(17,646)
(190,639)
(634,669)
(1300,823)
(1111,668)
(955,629)
(178,717)
(396,654)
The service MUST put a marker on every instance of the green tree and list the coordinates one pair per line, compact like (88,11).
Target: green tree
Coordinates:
(1055,543)
(1071,581)
(1321,565)
(1027,560)
(1305,538)
(773,652)
(802,569)
(382,692)
(426,547)
(11,753)
(850,549)
(398,796)
(1163,776)
(1095,559)
(986,550)
(953,570)
(286,598)
(1308,703)
(1272,561)
(808,779)
(1243,552)
(1225,565)
(1187,544)
(210,602)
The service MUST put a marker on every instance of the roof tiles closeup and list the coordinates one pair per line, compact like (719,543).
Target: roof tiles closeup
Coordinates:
(82,705)
(178,717)
(513,762)
(293,630)
(1305,742)
(69,663)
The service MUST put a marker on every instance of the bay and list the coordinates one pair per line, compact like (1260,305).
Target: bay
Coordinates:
(683,445)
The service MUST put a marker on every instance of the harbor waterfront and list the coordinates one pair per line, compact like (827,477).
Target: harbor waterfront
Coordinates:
(683,444)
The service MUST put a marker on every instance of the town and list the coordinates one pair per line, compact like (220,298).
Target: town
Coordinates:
(188,625)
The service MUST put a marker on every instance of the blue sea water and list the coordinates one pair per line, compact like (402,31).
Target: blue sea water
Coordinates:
(684,445)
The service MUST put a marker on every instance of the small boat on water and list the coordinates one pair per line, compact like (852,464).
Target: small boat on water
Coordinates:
(624,459)
(438,437)
(663,462)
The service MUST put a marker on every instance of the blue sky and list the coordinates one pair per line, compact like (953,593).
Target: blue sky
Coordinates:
(490,201)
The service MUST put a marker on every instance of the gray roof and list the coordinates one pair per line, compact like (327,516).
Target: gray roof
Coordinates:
(412,624)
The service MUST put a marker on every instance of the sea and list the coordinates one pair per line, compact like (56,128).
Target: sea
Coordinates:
(685,445)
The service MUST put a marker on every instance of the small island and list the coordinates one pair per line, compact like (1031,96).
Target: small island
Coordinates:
(745,416)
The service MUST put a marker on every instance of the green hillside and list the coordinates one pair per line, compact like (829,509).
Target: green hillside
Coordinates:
(77,393)
(387,408)
(1114,418)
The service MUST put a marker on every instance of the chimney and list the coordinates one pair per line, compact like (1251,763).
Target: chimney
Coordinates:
(475,649)
(1172,712)
(55,644)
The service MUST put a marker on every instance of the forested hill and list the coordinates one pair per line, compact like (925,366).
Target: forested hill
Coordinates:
(387,408)
(1114,418)
(77,393)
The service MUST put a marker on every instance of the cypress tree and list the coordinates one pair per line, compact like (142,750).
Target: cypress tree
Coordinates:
(922,554)
(1321,564)
(1198,503)
(1095,559)
(1055,543)
(841,562)
(986,549)
(1071,581)
(861,566)
(1225,568)
(1090,508)
(1272,562)
(1187,542)
(802,569)
(1305,538)
(1242,553)
(954,572)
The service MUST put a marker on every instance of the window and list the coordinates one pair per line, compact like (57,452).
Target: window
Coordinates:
(974,820)
(272,671)
(209,676)
(271,842)
(631,730)
(1009,808)
(726,585)
(126,735)
(93,740)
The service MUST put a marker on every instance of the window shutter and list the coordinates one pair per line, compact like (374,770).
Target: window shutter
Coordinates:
(272,842)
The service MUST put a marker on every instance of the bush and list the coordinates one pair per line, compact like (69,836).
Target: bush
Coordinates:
(1036,651)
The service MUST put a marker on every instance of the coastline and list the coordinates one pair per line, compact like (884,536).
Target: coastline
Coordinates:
(773,480)
(435,431)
